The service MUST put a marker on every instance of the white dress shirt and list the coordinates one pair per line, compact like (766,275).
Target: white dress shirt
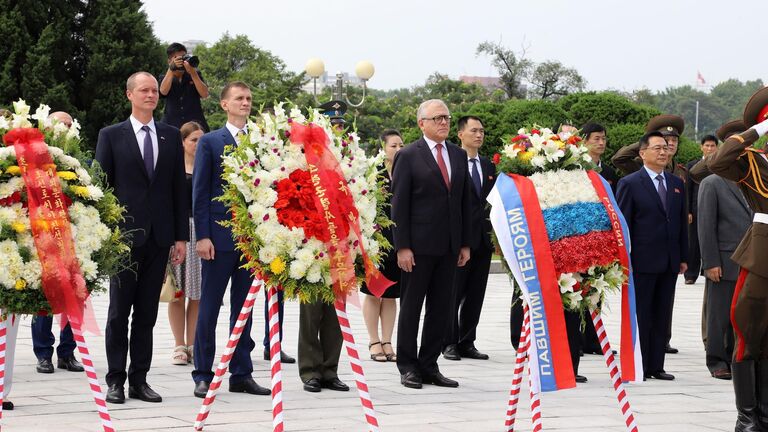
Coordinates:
(433,148)
(140,134)
(479,167)
(234,130)
(653,178)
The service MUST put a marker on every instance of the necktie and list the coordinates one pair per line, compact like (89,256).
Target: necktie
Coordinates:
(240,133)
(441,165)
(662,191)
(476,177)
(149,153)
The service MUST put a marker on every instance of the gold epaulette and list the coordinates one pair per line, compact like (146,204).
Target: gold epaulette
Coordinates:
(754,172)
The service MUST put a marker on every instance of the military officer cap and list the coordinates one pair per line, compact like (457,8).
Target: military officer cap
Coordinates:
(667,124)
(335,110)
(730,128)
(757,108)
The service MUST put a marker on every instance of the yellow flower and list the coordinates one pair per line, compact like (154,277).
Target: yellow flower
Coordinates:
(80,191)
(13,170)
(21,284)
(67,175)
(526,156)
(18,227)
(277,266)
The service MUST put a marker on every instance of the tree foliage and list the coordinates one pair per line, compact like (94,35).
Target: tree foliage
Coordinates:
(552,80)
(513,69)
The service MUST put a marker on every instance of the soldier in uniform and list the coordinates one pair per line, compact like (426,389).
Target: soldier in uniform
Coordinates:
(627,159)
(700,170)
(738,161)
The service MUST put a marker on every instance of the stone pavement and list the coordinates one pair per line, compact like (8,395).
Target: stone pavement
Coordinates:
(693,402)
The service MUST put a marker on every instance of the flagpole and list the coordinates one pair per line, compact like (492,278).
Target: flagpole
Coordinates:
(696,125)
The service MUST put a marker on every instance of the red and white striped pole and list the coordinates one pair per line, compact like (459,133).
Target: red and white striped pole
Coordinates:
(535,402)
(517,376)
(234,338)
(275,361)
(614,371)
(357,366)
(93,380)
(3,333)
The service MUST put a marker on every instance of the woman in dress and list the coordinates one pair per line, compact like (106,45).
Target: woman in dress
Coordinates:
(384,309)
(182,314)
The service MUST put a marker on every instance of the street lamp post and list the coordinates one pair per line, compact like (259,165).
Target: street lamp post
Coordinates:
(363,69)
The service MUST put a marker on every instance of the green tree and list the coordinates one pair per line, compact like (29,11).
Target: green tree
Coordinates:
(237,59)
(512,69)
(552,80)
(22,22)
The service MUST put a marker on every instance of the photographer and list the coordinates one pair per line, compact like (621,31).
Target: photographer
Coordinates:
(182,86)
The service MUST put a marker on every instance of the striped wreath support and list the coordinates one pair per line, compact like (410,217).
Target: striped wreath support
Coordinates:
(357,367)
(93,380)
(521,360)
(615,372)
(234,338)
(275,361)
(3,333)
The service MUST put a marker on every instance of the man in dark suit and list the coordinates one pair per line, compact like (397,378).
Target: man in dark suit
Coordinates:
(471,280)
(653,203)
(432,213)
(144,164)
(723,218)
(708,147)
(215,245)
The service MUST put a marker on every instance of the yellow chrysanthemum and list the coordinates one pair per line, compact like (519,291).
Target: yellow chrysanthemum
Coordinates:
(526,156)
(80,191)
(18,227)
(21,284)
(67,175)
(13,170)
(277,266)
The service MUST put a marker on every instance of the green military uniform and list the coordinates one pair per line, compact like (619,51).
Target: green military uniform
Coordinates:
(736,160)
(627,159)
(320,341)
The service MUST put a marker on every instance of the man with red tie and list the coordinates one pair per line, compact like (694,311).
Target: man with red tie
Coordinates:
(431,211)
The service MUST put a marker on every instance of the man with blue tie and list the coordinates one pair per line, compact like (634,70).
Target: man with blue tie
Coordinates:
(653,203)
(222,262)
(470,281)
(143,161)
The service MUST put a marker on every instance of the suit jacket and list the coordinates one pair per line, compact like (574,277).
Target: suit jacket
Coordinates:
(724,217)
(659,238)
(609,174)
(207,185)
(429,218)
(731,162)
(156,207)
(480,217)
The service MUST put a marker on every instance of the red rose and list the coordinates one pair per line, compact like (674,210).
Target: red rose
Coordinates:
(496,158)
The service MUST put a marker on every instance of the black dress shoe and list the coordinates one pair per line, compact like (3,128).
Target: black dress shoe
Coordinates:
(473,353)
(7,406)
(115,394)
(312,385)
(451,352)
(249,386)
(723,374)
(440,380)
(335,384)
(661,375)
(581,379)
(144,392)
(669,350)
(70,363)
(411,380)
(44,366)
(284,358)
(201,389)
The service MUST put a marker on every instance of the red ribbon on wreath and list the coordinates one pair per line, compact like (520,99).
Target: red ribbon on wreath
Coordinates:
(62,280)
(334,200)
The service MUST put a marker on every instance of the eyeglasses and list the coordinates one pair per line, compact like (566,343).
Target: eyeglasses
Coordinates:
(438,118)
(658,149)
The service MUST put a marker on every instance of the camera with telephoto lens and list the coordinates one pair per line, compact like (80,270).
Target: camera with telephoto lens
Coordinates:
(191,59)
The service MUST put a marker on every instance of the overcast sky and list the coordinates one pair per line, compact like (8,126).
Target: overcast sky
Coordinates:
(614,44)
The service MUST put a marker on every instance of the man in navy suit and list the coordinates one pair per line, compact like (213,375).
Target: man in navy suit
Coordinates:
(471,280)
(215,244)
(144,164)
(431,211)
(653,203)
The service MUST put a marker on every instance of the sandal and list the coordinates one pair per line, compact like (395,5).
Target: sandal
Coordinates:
(379,357)
(179,356)
(190,350)
(390,357)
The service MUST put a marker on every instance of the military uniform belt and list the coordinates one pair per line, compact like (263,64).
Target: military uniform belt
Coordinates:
(761,218)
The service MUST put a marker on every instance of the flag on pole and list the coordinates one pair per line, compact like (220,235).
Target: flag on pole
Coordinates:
(700,79)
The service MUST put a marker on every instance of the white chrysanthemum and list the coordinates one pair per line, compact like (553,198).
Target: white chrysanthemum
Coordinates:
(556,188)
(538,161)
